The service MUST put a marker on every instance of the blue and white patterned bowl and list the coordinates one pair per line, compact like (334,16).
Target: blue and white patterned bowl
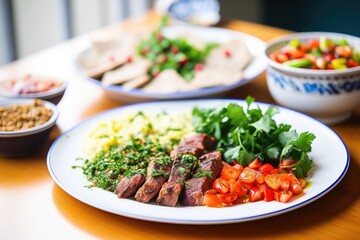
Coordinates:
(329,95)
(197,12)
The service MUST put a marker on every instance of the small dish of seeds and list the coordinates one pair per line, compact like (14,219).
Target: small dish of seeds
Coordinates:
(24,125)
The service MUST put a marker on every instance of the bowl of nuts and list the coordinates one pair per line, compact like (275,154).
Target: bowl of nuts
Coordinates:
(30,86)
(24,125)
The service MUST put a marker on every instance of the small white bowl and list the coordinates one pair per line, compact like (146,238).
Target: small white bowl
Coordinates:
(24,142)
(328,95)
(53,95)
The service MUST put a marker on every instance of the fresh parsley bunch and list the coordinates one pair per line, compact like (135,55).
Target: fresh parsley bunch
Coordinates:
(246,134)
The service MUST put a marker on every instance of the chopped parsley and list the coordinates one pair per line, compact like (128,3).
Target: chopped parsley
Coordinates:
(200,173)
(108,168)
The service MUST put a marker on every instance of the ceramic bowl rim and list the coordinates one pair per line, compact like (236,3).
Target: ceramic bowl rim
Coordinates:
(303,71)
(54,92)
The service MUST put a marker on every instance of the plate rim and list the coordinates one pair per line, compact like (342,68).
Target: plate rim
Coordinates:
(189,221)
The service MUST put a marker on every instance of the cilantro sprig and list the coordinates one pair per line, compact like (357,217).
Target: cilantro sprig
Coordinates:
(247,133)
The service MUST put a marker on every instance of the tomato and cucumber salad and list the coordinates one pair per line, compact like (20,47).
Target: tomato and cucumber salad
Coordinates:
(320,54)
(256,182)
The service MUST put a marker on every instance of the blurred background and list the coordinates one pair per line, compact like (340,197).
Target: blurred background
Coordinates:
(28,26)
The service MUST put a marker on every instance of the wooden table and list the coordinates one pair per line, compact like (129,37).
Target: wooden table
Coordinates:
(32,206)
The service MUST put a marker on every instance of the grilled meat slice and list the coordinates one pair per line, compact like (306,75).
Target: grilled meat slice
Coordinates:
(195,145)
(169,194)
(193,194)
(195,149)
(181,170)
(157,173)
(208,142)
(128,186)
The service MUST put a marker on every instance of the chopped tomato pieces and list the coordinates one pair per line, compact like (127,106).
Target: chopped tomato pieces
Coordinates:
(248,175)
(272,180)
(221,185)
(211,200)
(255,164)
(256,182)
(230,173)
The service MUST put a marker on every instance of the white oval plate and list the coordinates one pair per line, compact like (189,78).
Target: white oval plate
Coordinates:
(207,34)
(330,155)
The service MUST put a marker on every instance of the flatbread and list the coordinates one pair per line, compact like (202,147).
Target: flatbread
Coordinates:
(136,82)
(168,81)
(127,72)
(239,57)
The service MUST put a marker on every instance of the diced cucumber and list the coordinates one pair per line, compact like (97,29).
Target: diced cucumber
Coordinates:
(298,63)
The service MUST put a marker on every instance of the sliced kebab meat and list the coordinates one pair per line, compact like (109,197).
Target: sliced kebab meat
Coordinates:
(209,169)
(158,172)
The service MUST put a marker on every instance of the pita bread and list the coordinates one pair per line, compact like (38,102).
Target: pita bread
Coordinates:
(168,81)
(127,72)
(136,82)
(239,57)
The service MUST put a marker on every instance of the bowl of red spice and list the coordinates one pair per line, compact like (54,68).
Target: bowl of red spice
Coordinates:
(33,87)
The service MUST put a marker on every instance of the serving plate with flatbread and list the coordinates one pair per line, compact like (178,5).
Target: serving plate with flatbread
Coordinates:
(107,65)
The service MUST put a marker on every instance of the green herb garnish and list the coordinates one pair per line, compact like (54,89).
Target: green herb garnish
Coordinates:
(178,54)
(245,134)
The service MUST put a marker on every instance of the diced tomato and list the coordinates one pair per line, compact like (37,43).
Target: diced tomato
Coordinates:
(159,37)
(329,57)
(230,173)
(227,53)
(248,175)
(199,67)
(320,63)
(276,195)
(268,195)
(304,48)
(211,200)
(227,198)
(237,187)
(285,196)
(238,166)
(284,181)
(281,58)
(343,51)
(310,57)
(352,63)
(255,194)
(272,180)
(260,178)
(221,185)
(174,50)
(296,53)
(255,164)
(267,167)
(287,162)
(248,186)
(296,189)
(302,183)
(329,67)
(312,43)
(274,171)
